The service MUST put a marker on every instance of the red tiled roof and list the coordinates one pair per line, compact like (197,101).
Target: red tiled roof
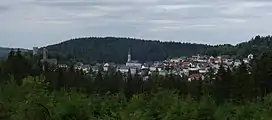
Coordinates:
(184,63)
(197,76)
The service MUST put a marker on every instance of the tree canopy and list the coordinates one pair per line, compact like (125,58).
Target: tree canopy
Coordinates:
(255,46)
(112,49)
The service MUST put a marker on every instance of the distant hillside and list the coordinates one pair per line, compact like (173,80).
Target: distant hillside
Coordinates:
(255,46)
(111,49)
(5,51)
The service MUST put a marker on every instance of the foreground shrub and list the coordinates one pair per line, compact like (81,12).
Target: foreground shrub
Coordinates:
(33,101)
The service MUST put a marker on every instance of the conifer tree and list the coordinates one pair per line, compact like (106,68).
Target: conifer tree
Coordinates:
(97,83)
(241,84)
(222,85)
(262,74)
(129,89)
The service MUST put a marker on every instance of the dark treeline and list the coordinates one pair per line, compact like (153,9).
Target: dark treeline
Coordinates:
(255,46)
(29,93)
(112,49)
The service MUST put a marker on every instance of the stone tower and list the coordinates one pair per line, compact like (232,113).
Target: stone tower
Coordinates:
(35,51)
(44,54)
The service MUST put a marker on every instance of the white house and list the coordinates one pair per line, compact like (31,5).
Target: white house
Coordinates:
(250,56)
(237,63)
(123,69)
(106,66)
(176,60)
(133,63)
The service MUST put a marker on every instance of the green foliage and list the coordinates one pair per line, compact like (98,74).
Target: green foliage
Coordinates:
(71,104)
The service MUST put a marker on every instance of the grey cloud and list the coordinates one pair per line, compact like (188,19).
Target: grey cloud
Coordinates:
(3,8)
(205,21)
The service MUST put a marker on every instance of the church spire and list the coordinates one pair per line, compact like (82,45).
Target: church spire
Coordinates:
(129,55)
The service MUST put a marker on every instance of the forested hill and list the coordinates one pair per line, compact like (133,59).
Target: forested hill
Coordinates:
(5,51)
(111,49)
(256,46)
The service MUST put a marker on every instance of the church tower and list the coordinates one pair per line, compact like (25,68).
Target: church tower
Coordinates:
(129,56)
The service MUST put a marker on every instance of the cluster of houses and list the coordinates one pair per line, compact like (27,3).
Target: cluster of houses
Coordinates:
(193,67)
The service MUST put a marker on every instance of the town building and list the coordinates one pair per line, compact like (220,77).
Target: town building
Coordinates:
(46,60)
(133,65)
(35,51)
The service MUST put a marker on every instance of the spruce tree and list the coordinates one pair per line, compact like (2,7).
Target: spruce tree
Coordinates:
(221,85)
(241,87)
(129,89)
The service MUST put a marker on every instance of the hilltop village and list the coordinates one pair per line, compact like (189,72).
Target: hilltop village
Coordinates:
(193,67)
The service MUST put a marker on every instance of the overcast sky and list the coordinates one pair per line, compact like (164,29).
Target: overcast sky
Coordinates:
(28,23)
